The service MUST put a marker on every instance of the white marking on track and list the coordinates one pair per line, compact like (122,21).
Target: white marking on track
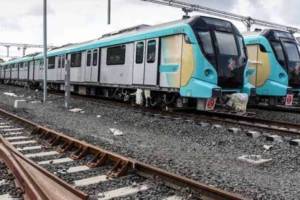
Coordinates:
(16,138)
(13,133)
(41,154)
(122,192)
(5,126)
(3,182)
(78,169)
(23,142)
(175,197)
(12,129)
(55,161)
(29,148)
(91,180)
(6,197)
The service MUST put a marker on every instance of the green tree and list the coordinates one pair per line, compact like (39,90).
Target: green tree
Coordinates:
(1,60)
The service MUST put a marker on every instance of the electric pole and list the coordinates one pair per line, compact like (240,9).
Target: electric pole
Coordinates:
(108,11)
(45,50)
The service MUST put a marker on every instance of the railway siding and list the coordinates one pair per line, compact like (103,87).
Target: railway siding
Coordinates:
(181,146)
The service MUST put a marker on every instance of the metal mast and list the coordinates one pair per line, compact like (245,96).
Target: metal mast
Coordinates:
(45,49)
(248,21)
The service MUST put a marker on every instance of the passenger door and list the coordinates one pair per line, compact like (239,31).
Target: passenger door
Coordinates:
(139,63)
(151,62)
(88,66)
(94,66)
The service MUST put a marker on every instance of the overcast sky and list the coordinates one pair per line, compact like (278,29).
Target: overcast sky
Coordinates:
(79,20)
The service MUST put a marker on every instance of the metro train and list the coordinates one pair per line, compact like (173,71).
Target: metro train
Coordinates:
(189,62)
(275,57)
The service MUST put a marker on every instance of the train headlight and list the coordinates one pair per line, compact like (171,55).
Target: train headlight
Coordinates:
(281,75)
(208,73)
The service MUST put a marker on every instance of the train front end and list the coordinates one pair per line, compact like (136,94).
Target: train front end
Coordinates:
(276,57)
(221,60)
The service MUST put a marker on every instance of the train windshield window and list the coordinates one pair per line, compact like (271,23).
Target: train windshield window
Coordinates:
(76,60)
(292,52)
(88,58)
(139,53)
(151,51)
(95,57)
(116,55)
(226,44)
(51,62)
(279,52)
(242,50)
(206,41)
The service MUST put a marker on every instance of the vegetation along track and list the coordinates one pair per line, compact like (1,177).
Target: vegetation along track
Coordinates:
(26,147)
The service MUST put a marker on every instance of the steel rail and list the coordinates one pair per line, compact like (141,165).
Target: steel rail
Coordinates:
(34,180)
(291,109)
(122,164)
(199,116)
(284,127)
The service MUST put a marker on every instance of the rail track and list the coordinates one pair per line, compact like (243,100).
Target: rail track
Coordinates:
(210,116)
(290,109)
(43,161)
(246,119)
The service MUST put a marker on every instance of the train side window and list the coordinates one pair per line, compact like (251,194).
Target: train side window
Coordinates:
(116,55)
(88,58)
(51,62)
(76,59)
(139,53)
(151,51)
(95,57)
(206,41)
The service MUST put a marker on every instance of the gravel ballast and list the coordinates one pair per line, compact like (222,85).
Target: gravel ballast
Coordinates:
(209,155)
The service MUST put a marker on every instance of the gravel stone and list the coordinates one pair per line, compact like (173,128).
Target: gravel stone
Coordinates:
(201,153)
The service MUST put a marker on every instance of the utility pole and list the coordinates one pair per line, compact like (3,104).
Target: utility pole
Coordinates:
(67,83)
(45,50)
(108,11)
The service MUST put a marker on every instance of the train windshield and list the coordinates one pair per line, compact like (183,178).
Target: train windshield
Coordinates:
(226,43)
(231,59)
(293,63)
(223,46)
(287,53)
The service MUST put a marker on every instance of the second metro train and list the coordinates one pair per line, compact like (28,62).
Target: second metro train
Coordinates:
(187,62)
(275,56)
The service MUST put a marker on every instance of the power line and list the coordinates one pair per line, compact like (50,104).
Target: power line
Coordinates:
(248,21)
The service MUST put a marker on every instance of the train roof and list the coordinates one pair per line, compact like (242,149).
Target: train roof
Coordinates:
(124,37)
(270,32)
(140,32)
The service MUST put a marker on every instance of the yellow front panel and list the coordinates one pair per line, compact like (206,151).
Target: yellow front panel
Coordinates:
(188,63)
(260,62)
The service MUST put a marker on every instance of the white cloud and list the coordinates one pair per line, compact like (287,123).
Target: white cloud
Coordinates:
(72,21)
